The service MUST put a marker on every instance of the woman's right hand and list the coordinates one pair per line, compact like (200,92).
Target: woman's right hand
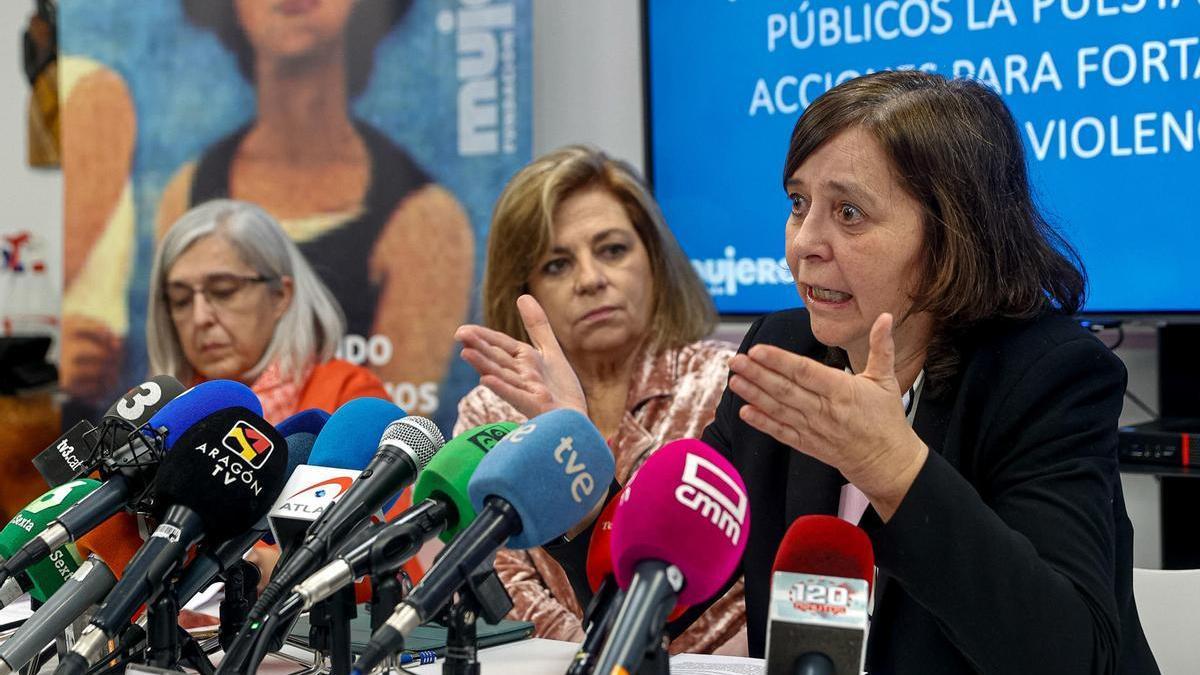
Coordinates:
(533,378)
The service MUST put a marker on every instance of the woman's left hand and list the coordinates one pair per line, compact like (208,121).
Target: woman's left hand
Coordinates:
(854,423)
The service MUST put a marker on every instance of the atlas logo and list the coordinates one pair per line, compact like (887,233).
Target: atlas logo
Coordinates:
(487,438)
(314,499)
(248,443)
(341,484)
(709,491)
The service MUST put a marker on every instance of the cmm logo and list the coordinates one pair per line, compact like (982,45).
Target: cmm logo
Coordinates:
(709,491)
(248,443)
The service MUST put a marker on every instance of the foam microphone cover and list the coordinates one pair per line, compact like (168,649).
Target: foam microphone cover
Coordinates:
(687,507)
(50,573)
(826,546)
(553,470)
(114,541)
(143,401)
(199,402)
(228,467)
(39,513)
(309,421)
(448,474)
(299,446)
(350,438)
(599,558)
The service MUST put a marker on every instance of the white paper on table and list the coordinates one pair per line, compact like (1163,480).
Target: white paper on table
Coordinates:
(708,664)
(17,611)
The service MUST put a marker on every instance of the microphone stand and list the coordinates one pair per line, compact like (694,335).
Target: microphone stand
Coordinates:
(657,660)
(329,631)
(482,595)
(162,628)
(387,590)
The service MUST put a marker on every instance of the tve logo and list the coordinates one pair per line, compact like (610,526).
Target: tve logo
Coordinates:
(486,44)
(582,485)
(709,491)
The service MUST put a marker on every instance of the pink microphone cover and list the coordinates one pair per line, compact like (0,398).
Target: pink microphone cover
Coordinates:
(686,506)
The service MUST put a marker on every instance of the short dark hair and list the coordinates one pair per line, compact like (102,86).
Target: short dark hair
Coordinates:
(369,21)
(955,148)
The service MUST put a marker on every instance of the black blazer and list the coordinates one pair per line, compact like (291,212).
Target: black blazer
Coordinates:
(1012,552)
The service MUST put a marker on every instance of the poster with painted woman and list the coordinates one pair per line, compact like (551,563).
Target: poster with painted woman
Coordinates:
(378,132)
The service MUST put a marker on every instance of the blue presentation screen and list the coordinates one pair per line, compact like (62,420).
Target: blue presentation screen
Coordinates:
(1106,94)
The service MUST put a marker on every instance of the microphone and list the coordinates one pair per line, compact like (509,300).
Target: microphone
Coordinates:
(109,549)
(535,484)
(45,577)
(442,507)
(309,421)
(208,565)
(76,452)
(129,477)
(820,586)
(403,447)
(678,534)
(220,477)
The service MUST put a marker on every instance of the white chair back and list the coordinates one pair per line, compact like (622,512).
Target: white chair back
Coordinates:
(1168,601)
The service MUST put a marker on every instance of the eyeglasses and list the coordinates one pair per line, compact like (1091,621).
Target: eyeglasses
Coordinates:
(219,290)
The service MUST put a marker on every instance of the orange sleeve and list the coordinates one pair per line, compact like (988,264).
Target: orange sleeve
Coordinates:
(334,382)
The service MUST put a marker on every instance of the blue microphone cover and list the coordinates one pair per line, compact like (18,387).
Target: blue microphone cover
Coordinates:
(228,467)
(553,469)
(201,401)
(299,445)
(351,436)
(309,421)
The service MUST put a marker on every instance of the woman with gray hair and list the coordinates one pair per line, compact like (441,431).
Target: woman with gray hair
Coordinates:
(232,297)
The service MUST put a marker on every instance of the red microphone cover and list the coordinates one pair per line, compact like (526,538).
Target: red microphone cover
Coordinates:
(114,541)
(599,561)
(826,546)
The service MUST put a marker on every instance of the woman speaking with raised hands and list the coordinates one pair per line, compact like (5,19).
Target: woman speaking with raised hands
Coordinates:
(934,389)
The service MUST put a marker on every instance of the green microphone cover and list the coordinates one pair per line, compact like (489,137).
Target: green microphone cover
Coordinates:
(448,473)
(49,573)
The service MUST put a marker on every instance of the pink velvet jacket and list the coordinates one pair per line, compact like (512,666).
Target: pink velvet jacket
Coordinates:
(674,394)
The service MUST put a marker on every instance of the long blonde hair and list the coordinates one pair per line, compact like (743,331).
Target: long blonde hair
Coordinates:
(522,230)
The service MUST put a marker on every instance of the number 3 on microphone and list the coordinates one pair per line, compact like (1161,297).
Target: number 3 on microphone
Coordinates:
(133,406)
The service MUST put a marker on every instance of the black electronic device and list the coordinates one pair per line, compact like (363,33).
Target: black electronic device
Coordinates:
(1165,442)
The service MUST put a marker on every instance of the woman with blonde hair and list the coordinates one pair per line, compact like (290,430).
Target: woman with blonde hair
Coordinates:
(579,249)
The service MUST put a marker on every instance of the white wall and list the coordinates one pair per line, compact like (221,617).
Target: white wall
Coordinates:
(30,199)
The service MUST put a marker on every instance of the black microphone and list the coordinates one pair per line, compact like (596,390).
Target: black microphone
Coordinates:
(128,481)
(220,478)
(405,447)
(534,485)
(442,507)
(79,451)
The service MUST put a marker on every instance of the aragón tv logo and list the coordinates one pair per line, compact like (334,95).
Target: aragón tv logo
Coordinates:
(248,443)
